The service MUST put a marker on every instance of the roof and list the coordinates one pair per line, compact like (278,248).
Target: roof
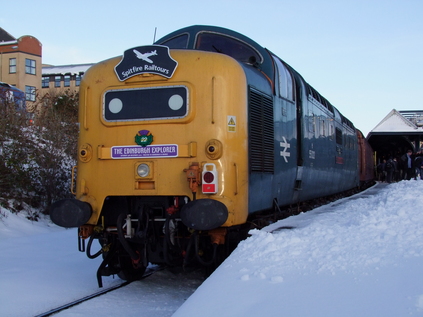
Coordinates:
(266,65)
(6,37)
(404,122)
(9,87)
(415,116)
(396,133)
(65,69)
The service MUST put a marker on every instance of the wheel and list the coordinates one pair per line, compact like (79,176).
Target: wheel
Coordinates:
(129,271)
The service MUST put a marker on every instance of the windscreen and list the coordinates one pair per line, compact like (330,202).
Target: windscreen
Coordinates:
(145,104)
(233,47)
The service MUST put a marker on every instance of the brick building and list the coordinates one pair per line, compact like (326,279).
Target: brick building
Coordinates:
(20,63)
(57,79)
(21,66)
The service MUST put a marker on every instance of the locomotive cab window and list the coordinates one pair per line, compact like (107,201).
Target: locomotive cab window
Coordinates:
(235,48)
(286,86)
(145,104)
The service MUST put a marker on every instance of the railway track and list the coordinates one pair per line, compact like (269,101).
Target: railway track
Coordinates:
(56,310)
(153,270)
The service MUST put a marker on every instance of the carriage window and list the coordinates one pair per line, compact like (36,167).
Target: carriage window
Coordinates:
(323,128)
(145,104)
(235,48)
(180,41)
(338,136)
(286,87)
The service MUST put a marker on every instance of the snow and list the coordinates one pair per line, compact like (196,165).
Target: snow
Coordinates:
(361,256)
(66,69)
(356,257)
(41,269)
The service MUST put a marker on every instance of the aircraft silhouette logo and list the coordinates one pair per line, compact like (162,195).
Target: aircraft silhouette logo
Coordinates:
(145,56)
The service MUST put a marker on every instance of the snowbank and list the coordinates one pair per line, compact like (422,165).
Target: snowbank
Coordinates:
(359,257)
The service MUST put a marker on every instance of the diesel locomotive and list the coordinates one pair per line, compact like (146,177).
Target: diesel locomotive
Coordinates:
(182,141)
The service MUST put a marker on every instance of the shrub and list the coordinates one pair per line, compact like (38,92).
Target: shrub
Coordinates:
(36,159)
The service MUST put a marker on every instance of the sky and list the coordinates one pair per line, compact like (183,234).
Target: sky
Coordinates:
(364,56)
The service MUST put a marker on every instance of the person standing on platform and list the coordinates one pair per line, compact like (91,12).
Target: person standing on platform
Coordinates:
(389,169)
(418,162)
(397,170)
(380,169)
(410,171)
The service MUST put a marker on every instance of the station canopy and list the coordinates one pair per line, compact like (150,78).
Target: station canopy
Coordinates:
(398,132)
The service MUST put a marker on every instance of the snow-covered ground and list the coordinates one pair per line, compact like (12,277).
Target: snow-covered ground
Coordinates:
(356,257)
(41,269)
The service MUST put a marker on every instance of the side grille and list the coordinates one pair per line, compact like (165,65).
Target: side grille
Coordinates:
(261,133)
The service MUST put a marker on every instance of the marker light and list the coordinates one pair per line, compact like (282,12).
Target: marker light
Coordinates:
(209,179)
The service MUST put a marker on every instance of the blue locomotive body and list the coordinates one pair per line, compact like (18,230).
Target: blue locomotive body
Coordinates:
(300,146)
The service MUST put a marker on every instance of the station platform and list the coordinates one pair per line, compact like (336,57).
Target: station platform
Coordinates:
(293,222)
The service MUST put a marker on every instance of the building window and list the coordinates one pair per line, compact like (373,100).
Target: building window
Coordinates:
(57,80)
(45,82)
(12,65)
(67,80)
(30,93)
(29,66)
(77,80)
